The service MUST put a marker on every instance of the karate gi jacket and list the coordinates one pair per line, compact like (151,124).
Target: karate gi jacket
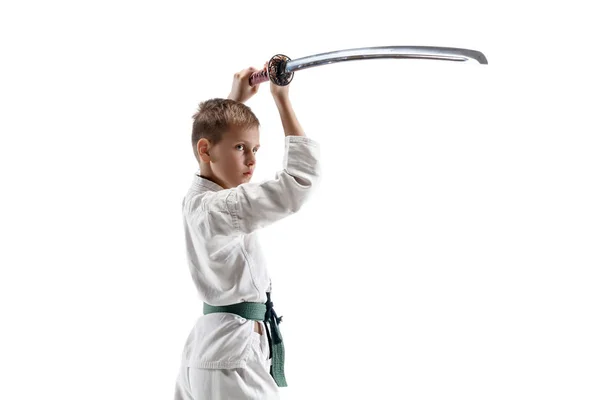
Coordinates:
(224,253)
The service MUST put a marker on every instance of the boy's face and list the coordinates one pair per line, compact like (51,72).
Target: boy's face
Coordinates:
(227,162)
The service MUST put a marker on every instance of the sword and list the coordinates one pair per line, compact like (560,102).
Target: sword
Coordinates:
(280,69)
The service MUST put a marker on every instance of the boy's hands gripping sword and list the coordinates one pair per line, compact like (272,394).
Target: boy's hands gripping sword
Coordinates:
(280,69)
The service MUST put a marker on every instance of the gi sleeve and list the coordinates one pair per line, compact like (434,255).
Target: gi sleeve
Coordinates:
(251,206)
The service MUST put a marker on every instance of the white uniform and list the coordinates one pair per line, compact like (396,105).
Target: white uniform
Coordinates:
(223,357)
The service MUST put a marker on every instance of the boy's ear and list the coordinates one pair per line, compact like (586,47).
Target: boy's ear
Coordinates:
(202,144)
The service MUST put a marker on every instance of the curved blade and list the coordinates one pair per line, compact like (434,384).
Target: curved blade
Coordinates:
(364,53)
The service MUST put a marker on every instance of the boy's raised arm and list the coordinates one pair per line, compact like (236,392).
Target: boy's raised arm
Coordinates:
(242,91)
(291,126)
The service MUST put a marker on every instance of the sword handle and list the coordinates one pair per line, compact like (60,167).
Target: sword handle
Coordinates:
(259,77)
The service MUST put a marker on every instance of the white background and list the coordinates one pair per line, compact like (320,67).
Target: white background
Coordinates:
(451,252)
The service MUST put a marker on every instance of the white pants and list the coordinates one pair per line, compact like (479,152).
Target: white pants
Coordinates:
(253,382)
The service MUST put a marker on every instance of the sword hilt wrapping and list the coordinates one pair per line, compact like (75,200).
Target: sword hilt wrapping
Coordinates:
(259,77)
(274,72)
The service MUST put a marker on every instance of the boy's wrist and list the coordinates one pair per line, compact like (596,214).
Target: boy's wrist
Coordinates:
(281,99)
(236,98)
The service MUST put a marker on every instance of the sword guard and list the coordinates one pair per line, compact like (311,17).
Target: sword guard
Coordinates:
(275,72)
(276,69)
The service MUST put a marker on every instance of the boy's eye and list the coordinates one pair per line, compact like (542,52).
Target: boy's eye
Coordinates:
(255,150)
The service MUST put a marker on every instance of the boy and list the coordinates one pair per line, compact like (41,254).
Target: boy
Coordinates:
(235,350)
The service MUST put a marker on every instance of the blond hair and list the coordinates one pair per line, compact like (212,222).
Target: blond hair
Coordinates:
(215,116)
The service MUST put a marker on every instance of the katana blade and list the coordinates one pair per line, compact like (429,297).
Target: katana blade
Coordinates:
(366,53)
(281,68)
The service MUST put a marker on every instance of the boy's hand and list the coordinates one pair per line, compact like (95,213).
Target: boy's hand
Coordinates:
(279,92)
(241,89)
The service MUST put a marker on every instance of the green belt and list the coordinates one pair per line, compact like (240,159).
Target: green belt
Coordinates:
(261,312)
